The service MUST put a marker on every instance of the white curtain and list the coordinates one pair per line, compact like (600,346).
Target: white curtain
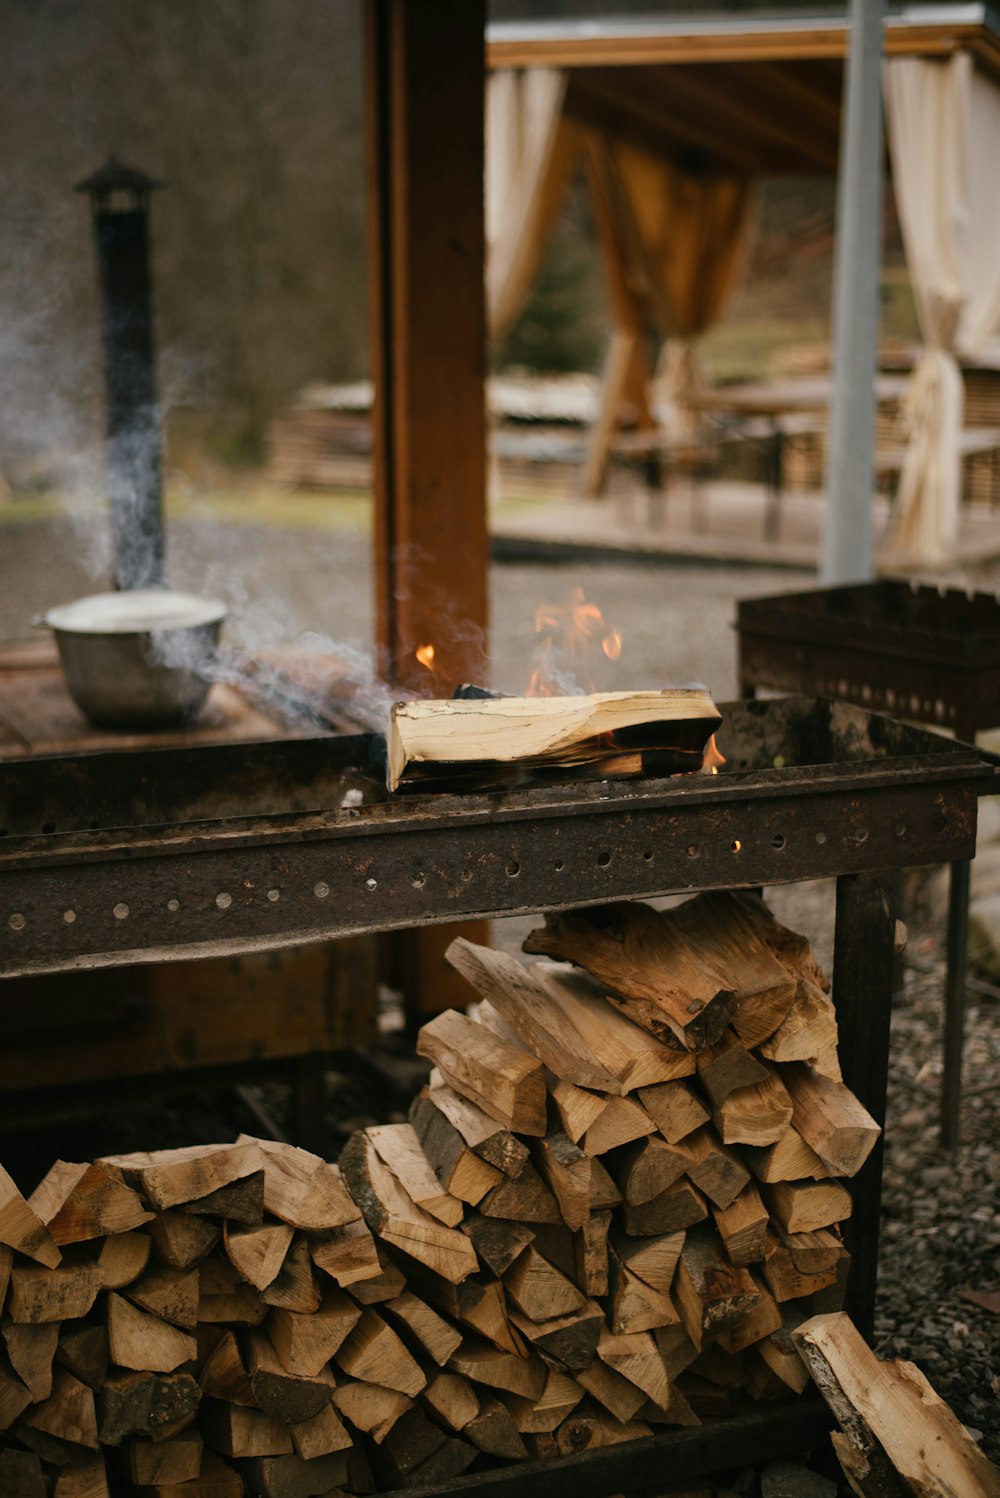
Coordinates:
(943,127)
(530,148)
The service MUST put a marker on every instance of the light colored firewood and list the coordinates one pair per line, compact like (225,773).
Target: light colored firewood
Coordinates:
(743,1226)
(306,1341)
(497,1242)
(782,1357)
(31,1350)
(373,1352)
(755,1115)
(293,1477)
(399,1148)
(504,1081)
(558,1399)
(680,1206)
(347,1254)
(650,968)
(603,1191)
(569,1341)
(804,1206)
(715,1170)
(727,933)
(397,1220)
(830,1119)
(590,1254)
(636,1358)
(144,1342)
(300,1188)
(181,1241)
(539,1289)
(494,1431)
(435,1336)
(38,1293)
(674,1108)
(294,1287)
(371,1408)
(479,1306)
(586,1430)
(893,1420)
(816,1252)
(646,1167)
(637,1058)
(726,1066)
(145,1404)
(620,1122)
(712,1294)
(675,1347)
(759,1322)
(224,1296)
(634,1305)
(77,1202)
(487,1365)
(258,1252)
(809,1029)
(170,1294)
(22,1228)
(652,1259)
(785,1280)
(481,1133)
(322,1434)
(239,1431)
(285,1396)
(385,1285)
(86,1479)
(620,1398)
(452,1398)
(567,1171)
(168,1178)
(68,1414)
(122,1259)
(526,1199)
(223,1374)
(83,1349)
(788,1159)
(460,1170)
(577,1108)
(158,1463)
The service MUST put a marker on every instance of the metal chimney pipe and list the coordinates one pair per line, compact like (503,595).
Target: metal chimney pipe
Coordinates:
(119,198)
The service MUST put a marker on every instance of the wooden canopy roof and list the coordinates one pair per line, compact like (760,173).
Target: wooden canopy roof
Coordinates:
(729,95)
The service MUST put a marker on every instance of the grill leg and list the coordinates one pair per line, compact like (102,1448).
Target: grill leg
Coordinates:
(862,992)
(954,1004)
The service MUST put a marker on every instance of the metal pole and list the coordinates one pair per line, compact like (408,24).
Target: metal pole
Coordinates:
(847,538)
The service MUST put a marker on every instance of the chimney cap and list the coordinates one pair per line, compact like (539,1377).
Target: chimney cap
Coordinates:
(114,176)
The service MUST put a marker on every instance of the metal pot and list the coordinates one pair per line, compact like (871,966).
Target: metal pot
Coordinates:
(138,659)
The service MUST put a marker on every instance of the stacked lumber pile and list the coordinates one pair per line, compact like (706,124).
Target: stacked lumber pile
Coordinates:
(612,1206)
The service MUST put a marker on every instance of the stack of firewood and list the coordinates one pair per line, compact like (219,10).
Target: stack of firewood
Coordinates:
(613,1203)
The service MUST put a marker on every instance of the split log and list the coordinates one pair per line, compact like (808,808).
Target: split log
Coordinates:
(759,1322)
(675,1109)
(285,1396)
(896,1428)
(122,1259)
(620,1398)
(577,1108)
(435,1336)
(590,1254)
(83,1349)
(652,1259)
(804,1206)
(144,1404)
(69,1413)
(372,1352)
(161,1463)
(527,1199)
(494,1431)
(224,1296)
(171,1177)
(558,1399)
(725,928)
(21,1474)
(782,1357)
(570,1341)
(505,1081)
(634,1305)
(453,1399)
(718,1172)
(14,1398)
(675,1347)
(78,1202)
(300,1188)
(808,1032)
(603,1191)
(816,1252)
(743,1227)
(755,1115)
(726,1066)
(555,1242)
(397,1220)
(180,1241)
(788,1159)
(238,1430)
(86,1479)
(785,1280)
(621,1121)
(371,1408)
(31,1350)
(293,1477)
(223,1374)
(635,1357)
(240,1201)
(586,1430)
(830,1119)
(258,1252)
(487,1365)
(60,1293)
(347,1254)
(644,1168)
(143,1342)
(490,1140)
(648,966)
(459,1169)
(294,1286)
(410,1442)
(385,1285)
(540,1290)
(567,1171)
(217,1479)
(680,1206)
(479,1306)
(712,1294)
(399,1148)
(497,1241)
(170,1294)
(22,1228)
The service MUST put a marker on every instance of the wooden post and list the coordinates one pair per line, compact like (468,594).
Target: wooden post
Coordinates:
(426,91)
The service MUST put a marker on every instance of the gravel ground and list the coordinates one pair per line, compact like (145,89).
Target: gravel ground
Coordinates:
(941,1222)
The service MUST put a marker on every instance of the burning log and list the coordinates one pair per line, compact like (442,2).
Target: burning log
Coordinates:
(445,744)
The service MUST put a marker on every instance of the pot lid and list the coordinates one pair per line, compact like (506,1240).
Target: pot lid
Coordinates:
(135,610)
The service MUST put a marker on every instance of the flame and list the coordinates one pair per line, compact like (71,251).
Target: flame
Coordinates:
(563,654)
(712,758)
(425,655)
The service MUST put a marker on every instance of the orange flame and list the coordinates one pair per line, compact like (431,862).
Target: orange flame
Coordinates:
(612,645)
(712,758)
(425,655)
(563,655)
